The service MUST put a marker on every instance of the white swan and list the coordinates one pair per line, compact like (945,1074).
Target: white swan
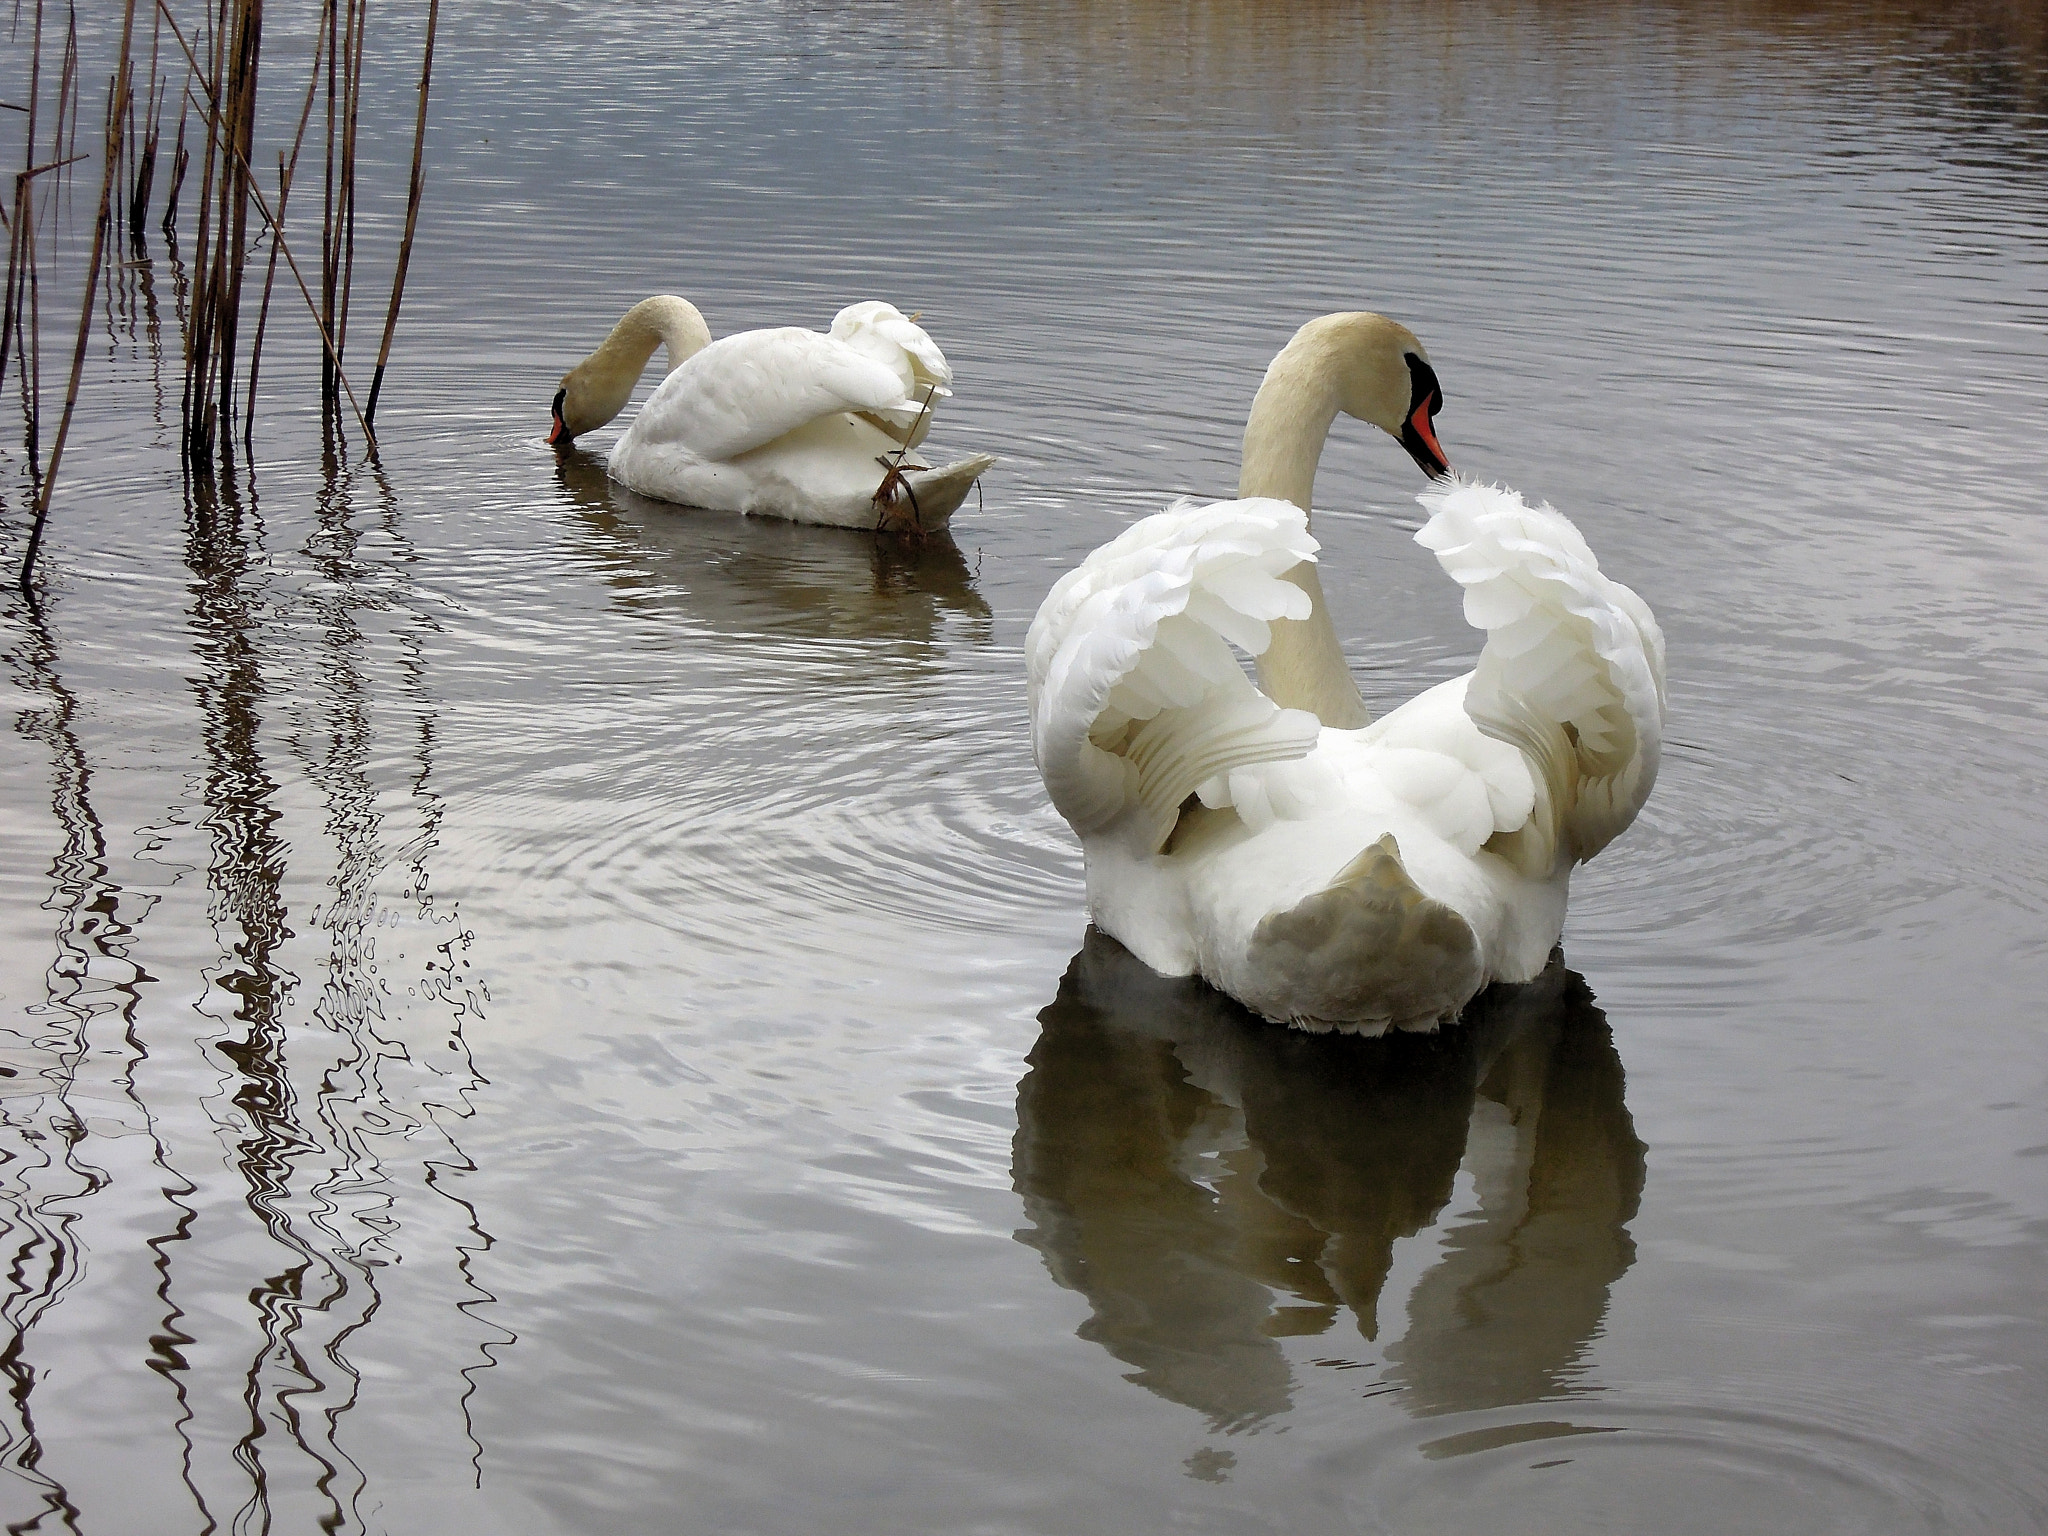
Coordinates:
(780,423)
(1324,870)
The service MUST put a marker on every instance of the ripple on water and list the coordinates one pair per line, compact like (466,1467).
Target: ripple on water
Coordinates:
(1669,1468)
(850,802)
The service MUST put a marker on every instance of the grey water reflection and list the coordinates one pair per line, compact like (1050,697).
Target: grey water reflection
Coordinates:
(749,575)
(1212,1184)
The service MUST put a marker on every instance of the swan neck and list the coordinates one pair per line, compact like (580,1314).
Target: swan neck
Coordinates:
(1303,667)
(602,383)
(1289,422)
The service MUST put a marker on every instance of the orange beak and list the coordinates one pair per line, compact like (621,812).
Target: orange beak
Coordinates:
(1418,436)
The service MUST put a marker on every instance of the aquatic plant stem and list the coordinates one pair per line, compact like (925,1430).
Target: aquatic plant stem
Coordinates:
(118,92)
(412,212)
(276,234)
(287,171)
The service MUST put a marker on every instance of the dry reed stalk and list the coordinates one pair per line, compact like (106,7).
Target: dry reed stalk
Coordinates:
(69,89)
(284,192)
(21,327)
(286,171)
(181,161)
(144,176)
(221,87)
(19,331)
(330,213)
(225,182)
(122,170)
(359,23)
(236,179)
(347,25)
(412,212)
(118,89)
(196,403)
(255,194)
(21,239)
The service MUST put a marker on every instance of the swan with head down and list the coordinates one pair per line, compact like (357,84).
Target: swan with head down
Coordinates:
(817,427)
(1324,868)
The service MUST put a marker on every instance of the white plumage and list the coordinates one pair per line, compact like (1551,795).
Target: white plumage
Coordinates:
(1361,877)
(815,427)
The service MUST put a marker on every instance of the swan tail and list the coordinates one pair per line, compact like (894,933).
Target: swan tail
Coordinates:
(934,495)
(1137,700)
(1572,672)
(1366,953)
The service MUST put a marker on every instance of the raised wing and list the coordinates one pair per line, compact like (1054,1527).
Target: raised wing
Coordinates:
(1572,672)
(749,389)
(1137,700)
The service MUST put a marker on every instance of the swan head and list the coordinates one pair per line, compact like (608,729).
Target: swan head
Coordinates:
(1356,363)
(597,389)
(561,432)
(588,398)
(1384,376)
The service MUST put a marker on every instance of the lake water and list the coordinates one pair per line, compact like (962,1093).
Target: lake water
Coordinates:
(528,1010)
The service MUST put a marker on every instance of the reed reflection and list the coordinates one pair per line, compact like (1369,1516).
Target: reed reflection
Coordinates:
(83,1029)
(345,1145)
(750,575)
(1211,1184)
(245,879)
(397,1075)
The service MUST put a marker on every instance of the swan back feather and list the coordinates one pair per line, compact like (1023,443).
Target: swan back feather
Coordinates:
(747,390)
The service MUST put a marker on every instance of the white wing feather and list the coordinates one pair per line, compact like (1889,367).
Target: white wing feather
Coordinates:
(746,390)
(1136,699)
(1572,672)
(884,332)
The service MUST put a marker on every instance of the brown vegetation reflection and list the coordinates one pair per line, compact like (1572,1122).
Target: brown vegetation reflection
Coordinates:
(1211,1183)
(1175,58)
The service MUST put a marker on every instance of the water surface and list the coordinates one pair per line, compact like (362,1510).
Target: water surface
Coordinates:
(530,1010)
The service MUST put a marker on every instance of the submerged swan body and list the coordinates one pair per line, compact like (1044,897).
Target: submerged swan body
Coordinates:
(815,427)
(1326,869)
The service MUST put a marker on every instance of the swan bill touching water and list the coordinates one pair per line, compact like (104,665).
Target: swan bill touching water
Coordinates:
(1326,869)
(814,427)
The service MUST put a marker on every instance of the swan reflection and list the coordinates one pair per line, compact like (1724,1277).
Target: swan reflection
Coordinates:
(757,575)
(1211,1184)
